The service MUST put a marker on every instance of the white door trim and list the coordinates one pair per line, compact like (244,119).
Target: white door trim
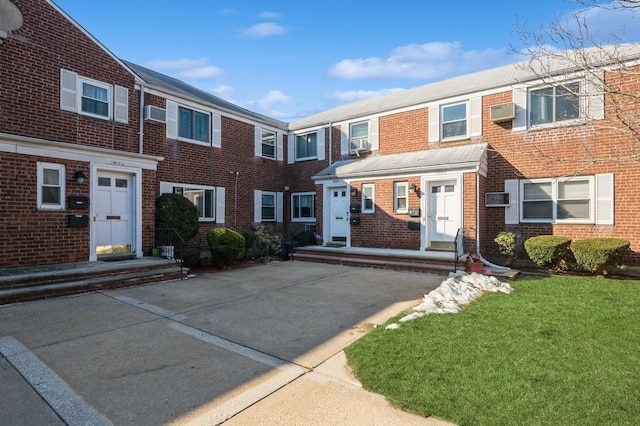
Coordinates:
(326,210)
(136,217)
(424,204)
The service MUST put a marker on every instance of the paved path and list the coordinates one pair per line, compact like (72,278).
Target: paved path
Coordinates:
(261,345)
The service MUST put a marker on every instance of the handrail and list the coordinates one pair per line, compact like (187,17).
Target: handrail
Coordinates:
(170,244)
(459,235)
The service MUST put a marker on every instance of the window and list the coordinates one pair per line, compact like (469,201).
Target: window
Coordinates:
(368,202)
(94,98)
(51,186)
(554,104)
(454,121)
(307,146)
(303,206)
(558,200)
(268,206)
(400,199)
(193,124)
(268,144)
(359,136)
(202,197)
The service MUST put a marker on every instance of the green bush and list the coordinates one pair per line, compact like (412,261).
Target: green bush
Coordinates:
(272,242)
(225,245)
(506,242)
(547,250)
(177,212)
(190,257)
(599,254)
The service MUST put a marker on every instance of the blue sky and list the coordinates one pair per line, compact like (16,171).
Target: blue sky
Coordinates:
(291,59)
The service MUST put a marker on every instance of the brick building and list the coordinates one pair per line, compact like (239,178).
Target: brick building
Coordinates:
(89,141)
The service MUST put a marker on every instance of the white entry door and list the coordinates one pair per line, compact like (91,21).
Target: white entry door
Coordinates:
(339,211)
(114,213)
(443,219)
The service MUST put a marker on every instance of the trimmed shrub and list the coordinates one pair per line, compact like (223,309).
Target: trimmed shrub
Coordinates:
(547,250)
(506,242)
(177,212)
(225,245)
(599,254)
(190,257)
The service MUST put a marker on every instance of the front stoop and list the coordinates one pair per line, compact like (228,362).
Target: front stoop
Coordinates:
(400,260)
(40,282)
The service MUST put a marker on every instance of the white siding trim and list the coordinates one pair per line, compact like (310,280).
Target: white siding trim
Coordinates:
(434,123)
(605,205)
(511,213)
(172,119)
(220,204)
(216,125)
(257,141)
(279,147)
(291,148)
(68,88)
(374,138)
(520,101)
(475,117)
(279,207)
(595,96)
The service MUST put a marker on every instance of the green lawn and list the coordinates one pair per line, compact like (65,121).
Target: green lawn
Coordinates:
(556,351)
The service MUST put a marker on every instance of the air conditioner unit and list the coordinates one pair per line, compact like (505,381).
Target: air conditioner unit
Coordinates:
(359,145)
(153,113)
(503,112)
(496,199)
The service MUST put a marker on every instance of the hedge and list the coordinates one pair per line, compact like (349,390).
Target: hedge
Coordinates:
(547,250)
(599,254)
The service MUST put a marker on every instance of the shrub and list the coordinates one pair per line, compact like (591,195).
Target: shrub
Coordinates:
(506,242)
(599,254)
(547,250)
(190,257)
(177,212)
(225,245)
(273,243)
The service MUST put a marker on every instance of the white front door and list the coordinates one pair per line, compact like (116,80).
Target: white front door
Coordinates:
(443,219)
(114,213)
(339,215)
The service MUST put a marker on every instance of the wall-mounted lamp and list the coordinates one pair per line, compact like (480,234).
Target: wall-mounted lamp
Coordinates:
(413,187)
(80,177)
(354,192)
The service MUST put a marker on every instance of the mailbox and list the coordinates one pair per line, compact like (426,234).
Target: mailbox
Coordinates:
(414,211)
(78,220)
(354,208)
(413,225)
(354,220)
(78,202)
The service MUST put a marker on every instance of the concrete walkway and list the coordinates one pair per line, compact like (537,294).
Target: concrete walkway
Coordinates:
(262,345)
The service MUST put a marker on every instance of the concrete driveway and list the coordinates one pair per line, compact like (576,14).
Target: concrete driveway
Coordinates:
(261,345)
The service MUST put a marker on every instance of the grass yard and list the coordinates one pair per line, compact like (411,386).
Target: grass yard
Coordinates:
(556,351)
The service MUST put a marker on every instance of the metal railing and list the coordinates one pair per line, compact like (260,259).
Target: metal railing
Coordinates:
(458,244)
(169,244)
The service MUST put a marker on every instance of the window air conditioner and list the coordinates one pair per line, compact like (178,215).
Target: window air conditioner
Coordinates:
(153,113)
(503,112)
(359,145)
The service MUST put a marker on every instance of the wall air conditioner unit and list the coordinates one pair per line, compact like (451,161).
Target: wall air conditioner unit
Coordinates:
(503,112)
(153,113)
(496,199)
(359,145)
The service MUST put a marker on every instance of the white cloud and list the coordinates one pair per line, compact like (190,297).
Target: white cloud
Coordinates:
(264,29)
(419,61)
(273,97)
(610,25)
(270,15)
(177,64)
(200,73)
(357,95)
(222,90)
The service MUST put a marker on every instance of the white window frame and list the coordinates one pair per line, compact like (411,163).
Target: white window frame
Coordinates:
(360,141)
(62,186)
(554,200)
(109,88)
(265,136)
(368,193)
(465,120)
(275,206)
(201,111)
(183,188)
(396,197)
(313,207)
(555,123)
(304,135)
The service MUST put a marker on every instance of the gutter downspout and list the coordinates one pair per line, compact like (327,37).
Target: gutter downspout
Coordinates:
(141,131)
(478,210)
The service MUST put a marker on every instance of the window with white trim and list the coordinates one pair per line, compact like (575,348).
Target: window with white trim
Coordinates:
(268,206)
(194,125)
(454,120)
(307,146)
(555,104)
(303,206)
(51,186)
(368,195)
(203,197)
(95,98)
(359,136)
(268,144)
(401,197)
(558,200)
